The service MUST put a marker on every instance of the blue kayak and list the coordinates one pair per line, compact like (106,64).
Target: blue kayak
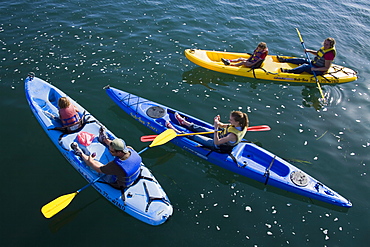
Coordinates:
(144,200)
(246,159)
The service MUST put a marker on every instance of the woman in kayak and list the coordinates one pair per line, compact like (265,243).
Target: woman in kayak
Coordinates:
(221,141)
(320,64)
(125,167)
(68,113)
(255,60)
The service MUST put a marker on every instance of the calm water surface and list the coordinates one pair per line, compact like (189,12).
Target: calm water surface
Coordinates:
(81,46)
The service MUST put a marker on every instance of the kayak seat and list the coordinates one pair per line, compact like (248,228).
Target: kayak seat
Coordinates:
(46,106)
(53,97)
(49,110)
(84,119)
(258,65)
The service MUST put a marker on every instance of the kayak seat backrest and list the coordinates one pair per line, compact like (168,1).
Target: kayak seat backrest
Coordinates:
(49,112)
(54,97)
(46,106)
(258,65)
(251,152)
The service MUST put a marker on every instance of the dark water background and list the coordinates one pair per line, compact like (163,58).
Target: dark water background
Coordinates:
(81,46)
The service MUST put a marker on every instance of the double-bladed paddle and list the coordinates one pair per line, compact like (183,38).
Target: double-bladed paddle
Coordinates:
(58,204)
(309,60)
(169,135)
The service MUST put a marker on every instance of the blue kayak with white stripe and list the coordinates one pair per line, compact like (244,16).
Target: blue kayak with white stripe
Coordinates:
(144,200)
(246,159)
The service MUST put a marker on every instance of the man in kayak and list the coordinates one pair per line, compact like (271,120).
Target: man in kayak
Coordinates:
(221,141)
(255,60)
(125,167)
(321,63)
(68,114)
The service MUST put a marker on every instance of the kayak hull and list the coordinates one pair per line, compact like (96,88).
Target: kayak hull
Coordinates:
(42,98)
(271,68)
(247,159)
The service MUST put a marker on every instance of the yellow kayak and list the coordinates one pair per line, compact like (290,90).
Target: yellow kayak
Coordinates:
(270,69)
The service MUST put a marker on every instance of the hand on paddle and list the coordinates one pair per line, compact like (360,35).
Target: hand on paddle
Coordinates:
(171,134)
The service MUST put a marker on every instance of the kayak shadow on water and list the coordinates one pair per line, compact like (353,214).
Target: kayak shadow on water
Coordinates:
(67,216)
(311,96)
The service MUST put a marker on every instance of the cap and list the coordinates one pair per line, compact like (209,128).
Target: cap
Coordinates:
(119,144)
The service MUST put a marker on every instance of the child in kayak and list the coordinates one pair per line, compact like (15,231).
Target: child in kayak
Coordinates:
(255,60)
(221,141)
(68,114)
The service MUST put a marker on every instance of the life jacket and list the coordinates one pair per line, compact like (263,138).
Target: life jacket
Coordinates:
(258,55)
(319,60)
(69,116)
(231,129)
(130,166)
(84,119)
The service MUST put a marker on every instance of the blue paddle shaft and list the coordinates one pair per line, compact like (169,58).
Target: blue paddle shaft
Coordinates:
(87,185)
(304,48)
(309,60)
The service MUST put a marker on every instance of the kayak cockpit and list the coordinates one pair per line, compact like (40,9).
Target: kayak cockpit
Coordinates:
(251,156)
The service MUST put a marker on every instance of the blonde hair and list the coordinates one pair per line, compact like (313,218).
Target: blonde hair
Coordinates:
(63,102)
(241,118)
(332,41)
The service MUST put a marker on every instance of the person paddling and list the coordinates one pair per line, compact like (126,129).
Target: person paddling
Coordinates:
(125,167)
(223,141)
(324,57)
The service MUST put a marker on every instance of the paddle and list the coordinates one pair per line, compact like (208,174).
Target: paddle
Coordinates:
(309,60)
(58,204)
(172,134)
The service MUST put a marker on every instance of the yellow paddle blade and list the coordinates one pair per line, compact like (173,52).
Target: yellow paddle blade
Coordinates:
(57,205)
(299,35)
(163,137)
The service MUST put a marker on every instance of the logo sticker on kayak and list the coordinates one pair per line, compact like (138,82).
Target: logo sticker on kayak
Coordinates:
(156,112)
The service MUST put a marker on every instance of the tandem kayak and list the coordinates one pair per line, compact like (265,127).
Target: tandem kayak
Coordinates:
(246,159)
(144,200)
(270,69)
